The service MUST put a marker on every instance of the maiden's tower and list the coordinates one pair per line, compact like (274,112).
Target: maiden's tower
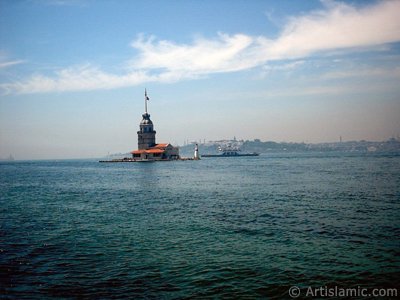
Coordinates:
(148,149)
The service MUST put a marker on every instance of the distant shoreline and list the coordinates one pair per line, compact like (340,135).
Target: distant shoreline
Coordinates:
(389,146)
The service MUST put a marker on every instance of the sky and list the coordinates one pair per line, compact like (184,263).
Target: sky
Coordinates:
(73,73)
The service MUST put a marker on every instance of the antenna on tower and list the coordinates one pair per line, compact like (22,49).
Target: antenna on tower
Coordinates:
(145,100)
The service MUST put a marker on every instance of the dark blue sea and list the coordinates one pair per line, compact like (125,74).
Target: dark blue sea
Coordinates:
(231,228)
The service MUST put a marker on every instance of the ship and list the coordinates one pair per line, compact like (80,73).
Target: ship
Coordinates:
(230,152)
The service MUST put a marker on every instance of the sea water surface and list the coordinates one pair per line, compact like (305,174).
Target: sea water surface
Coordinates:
(248,227)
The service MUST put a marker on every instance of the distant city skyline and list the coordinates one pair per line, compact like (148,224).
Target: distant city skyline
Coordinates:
(73,73)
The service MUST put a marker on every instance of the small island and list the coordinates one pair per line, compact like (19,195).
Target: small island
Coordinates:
(148,150)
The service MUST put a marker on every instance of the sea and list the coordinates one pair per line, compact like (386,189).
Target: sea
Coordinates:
(218,228)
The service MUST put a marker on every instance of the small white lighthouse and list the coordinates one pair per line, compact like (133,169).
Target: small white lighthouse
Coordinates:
(196,153)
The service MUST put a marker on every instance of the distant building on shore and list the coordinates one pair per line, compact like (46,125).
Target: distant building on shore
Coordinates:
(148,149)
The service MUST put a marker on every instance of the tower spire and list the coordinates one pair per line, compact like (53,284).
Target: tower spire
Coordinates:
(145,100)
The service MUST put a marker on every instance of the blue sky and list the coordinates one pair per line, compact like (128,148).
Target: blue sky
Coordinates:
(73,73)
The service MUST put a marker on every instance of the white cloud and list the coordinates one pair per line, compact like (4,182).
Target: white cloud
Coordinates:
(203,56)
(284,67)
(77,78)
(6,64)
(381,72)
(338,26)
(280,67)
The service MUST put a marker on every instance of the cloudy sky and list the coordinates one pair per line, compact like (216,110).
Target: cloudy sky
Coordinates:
(73,72)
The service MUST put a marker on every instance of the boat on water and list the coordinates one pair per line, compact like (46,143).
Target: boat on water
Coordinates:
(230,152)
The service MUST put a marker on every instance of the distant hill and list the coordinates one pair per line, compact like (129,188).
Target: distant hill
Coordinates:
(211,147)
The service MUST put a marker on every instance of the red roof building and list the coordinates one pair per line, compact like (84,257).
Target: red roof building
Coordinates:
(157,152)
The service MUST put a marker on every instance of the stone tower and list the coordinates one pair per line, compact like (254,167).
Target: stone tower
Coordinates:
(146,133)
